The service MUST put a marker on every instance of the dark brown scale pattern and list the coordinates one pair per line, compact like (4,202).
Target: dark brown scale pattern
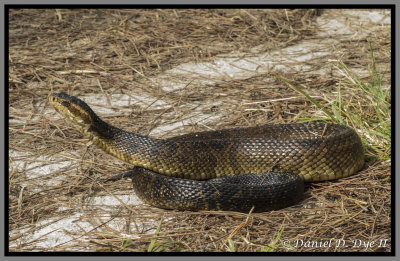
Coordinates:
(313,151)
(264,192)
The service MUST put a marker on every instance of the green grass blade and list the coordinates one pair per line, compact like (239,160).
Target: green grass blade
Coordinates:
(271,247)
(294,87)
(154,240)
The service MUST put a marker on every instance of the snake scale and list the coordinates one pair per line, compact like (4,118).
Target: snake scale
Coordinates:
(235,169)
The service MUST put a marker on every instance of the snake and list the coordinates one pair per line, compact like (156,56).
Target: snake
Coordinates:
(259,168)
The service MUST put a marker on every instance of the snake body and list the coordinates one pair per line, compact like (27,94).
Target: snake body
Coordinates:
(233,169)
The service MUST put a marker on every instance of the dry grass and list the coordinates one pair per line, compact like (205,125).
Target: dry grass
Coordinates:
(117,51)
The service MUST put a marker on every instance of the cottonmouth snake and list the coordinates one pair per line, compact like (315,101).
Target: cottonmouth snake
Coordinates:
(232,169)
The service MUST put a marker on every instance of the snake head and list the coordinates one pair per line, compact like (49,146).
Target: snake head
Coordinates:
(74,109)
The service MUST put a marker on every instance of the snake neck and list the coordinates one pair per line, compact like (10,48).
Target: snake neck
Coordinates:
(122,144)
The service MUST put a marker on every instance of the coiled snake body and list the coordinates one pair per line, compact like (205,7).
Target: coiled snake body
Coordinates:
(237,169)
